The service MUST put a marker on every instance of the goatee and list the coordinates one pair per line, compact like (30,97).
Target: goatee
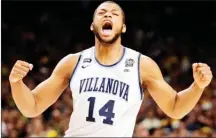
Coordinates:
(113,40)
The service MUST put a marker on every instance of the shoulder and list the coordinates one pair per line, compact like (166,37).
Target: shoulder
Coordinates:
(66,65)
(73,59)
(70,59)
(149,69)
(131,51)
(145,60)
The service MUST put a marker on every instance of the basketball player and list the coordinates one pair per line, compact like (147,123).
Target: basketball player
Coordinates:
(106,81)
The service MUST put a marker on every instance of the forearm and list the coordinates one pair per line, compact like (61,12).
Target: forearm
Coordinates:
(186,100)
(23,98)
(176,105)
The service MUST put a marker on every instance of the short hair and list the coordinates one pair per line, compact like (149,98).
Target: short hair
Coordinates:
(123,14)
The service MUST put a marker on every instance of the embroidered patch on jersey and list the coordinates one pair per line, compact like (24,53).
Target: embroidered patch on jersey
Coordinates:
(87,60)
(129,62)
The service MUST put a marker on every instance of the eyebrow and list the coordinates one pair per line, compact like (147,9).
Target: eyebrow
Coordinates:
(106,10)
(115,10)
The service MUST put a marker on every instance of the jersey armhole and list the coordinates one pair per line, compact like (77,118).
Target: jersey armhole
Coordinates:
(75,68)
(139,78)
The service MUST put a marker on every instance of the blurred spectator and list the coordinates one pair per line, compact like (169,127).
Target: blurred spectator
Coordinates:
(151,121)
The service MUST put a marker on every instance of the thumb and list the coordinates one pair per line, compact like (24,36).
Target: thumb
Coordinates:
(195,65)
(31,66)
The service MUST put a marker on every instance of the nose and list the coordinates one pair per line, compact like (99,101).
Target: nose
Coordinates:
(108,15)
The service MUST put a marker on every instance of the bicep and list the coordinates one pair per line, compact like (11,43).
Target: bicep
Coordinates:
(47,92)
(162,93)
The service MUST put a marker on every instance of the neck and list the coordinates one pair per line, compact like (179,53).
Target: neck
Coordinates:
(108,54)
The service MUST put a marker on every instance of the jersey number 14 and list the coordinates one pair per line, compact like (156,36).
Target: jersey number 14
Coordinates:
(106,111)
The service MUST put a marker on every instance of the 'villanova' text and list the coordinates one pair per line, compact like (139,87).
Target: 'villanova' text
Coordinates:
(105,85)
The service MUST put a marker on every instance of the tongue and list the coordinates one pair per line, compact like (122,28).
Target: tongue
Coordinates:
(107,32)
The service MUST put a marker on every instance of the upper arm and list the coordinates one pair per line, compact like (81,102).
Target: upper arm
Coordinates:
(47,92)
(152,78)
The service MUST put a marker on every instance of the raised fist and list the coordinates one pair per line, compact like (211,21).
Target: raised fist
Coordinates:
(202,74)
(19,71)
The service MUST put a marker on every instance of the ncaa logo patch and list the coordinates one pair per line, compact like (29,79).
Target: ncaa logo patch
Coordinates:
(87,60)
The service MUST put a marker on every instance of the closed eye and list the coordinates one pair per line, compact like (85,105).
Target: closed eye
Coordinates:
(100,13)
(115,14)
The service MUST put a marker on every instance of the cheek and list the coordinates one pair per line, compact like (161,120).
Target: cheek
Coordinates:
(118,27)
(96,21)
(95,26)
(118,24)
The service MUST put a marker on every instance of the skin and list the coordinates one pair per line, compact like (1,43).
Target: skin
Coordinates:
(176,105)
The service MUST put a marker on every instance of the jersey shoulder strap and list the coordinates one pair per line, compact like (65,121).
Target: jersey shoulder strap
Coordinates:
(132,55)
(88,53)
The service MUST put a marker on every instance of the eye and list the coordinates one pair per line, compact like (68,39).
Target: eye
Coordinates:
(116,14)
(100,13)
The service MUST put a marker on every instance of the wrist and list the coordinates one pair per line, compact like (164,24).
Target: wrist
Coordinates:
(17,82)
(198,87)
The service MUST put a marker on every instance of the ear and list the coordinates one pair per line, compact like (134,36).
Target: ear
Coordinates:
(124,28)
(91,27)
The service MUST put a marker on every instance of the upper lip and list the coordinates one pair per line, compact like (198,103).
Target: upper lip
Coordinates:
(106,20)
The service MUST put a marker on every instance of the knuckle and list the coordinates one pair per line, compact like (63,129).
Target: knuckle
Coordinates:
(16,66)
(19,61)
(27,69)
(204,64)
(25,72)
(12,72)
(206,67)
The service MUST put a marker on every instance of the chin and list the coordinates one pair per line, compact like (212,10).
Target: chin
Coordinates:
(107,40)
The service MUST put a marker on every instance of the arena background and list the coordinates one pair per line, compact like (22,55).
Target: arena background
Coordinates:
(174,34)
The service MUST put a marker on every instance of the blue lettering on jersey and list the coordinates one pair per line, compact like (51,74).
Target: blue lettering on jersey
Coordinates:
(105,85)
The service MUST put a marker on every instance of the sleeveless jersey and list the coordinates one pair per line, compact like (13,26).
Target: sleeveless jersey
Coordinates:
(106,98)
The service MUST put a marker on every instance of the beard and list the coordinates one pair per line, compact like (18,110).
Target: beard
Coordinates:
(110,41)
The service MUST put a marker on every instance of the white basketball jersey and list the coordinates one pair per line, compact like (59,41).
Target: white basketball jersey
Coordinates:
(106,99)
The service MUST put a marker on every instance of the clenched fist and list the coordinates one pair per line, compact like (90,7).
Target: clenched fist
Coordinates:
(202,74)
(19,71)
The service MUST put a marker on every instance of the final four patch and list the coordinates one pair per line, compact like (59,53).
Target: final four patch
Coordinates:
(129,62)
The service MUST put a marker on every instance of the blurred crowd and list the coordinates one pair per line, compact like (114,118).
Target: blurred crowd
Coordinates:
(173,35)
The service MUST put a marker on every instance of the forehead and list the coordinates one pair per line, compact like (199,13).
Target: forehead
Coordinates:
(109,7)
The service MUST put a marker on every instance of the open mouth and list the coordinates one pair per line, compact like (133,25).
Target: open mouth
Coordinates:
(107,28)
